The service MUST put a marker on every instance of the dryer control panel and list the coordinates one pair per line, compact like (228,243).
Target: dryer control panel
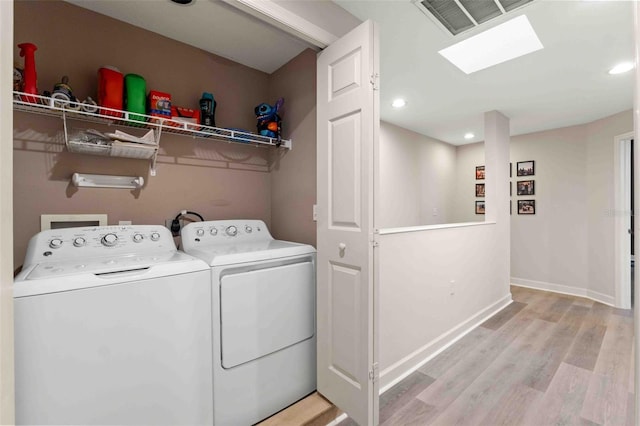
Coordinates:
(97,241)
(224,232)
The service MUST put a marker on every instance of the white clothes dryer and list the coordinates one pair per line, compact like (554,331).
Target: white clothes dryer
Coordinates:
(112,326)
(264,340)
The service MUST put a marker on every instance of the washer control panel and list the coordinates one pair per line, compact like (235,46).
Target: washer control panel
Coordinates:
(224,232)
(78,243)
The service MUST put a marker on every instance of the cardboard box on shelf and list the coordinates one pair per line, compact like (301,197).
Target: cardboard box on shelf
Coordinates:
(159,104)
(185,115)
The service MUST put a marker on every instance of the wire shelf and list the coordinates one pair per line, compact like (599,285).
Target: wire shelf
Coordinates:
(73,110)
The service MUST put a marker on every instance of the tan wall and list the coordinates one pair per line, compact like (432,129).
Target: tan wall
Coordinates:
(203,176)
(293,173)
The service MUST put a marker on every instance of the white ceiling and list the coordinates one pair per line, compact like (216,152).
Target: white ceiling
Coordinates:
(210,25)
(564,84)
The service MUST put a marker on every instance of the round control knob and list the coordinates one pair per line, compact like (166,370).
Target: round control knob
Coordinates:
(213,231)
(55,243)
(79,242)
(200,232)
(155,236)
(248,229)
(231,231)
(137,238)
(109,240)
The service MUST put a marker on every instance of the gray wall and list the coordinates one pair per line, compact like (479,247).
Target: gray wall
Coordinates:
(417,175)
(568,245)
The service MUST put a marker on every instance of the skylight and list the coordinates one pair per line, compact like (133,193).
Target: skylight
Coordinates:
(499,44)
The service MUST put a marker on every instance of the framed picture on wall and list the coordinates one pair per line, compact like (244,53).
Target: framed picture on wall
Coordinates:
(510,169)
(480,207)
(479,172)
(479,189)
(526,187)
(510,189)
(526,206)
(525,168)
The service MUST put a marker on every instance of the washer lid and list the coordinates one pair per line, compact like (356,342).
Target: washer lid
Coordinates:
(53,277)
(229,254)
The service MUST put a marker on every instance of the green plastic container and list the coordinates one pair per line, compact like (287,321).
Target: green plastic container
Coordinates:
(135,89)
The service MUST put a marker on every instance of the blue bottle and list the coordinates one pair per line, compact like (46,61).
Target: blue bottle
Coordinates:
(208,110)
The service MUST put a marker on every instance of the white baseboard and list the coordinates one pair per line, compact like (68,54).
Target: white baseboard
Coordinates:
(403,368)
(564,289)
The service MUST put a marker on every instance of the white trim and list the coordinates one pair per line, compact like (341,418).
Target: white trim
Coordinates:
(393,374)
(564,289)
(636,162)
(622,221)
(7,382)
(386,231)
(271,12)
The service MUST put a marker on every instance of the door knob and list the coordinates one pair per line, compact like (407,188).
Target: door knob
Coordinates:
(342,247)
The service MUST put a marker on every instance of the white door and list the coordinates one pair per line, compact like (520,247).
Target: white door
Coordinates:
(347,131)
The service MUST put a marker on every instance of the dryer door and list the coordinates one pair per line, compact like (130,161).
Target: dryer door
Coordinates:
(265,310)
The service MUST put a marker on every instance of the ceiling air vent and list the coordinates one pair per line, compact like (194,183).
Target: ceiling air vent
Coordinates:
(457,16)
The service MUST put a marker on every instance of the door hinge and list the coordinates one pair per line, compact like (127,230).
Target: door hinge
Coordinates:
(374,80)
(373,372)
(374,239)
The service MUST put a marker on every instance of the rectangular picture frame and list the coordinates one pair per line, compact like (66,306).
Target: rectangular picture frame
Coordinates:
(525,187)
(526,206)
(526,168)
(479,172)
(480,190)
(480,207)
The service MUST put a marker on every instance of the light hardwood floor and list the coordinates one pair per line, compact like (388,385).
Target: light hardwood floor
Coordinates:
(546,359)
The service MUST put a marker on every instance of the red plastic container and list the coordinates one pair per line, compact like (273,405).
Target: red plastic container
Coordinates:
(110,90)
(29,81)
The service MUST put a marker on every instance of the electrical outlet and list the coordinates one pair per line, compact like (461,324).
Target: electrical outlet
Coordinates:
(315,212)
(452,287)
(435,211)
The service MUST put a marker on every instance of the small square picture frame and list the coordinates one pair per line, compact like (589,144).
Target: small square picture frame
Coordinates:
(479,172)
(526,206)
(525,187)
(480,190)
(480,207)
(526,168)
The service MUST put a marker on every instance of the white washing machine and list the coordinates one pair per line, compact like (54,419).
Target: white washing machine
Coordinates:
(264,340)
(112,326)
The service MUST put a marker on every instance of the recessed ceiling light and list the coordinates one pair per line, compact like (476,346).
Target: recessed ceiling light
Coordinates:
(621,68)
(501,43)
(398,103)
(469,135)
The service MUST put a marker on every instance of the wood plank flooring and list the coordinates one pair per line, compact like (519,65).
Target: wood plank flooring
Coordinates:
(546,359)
